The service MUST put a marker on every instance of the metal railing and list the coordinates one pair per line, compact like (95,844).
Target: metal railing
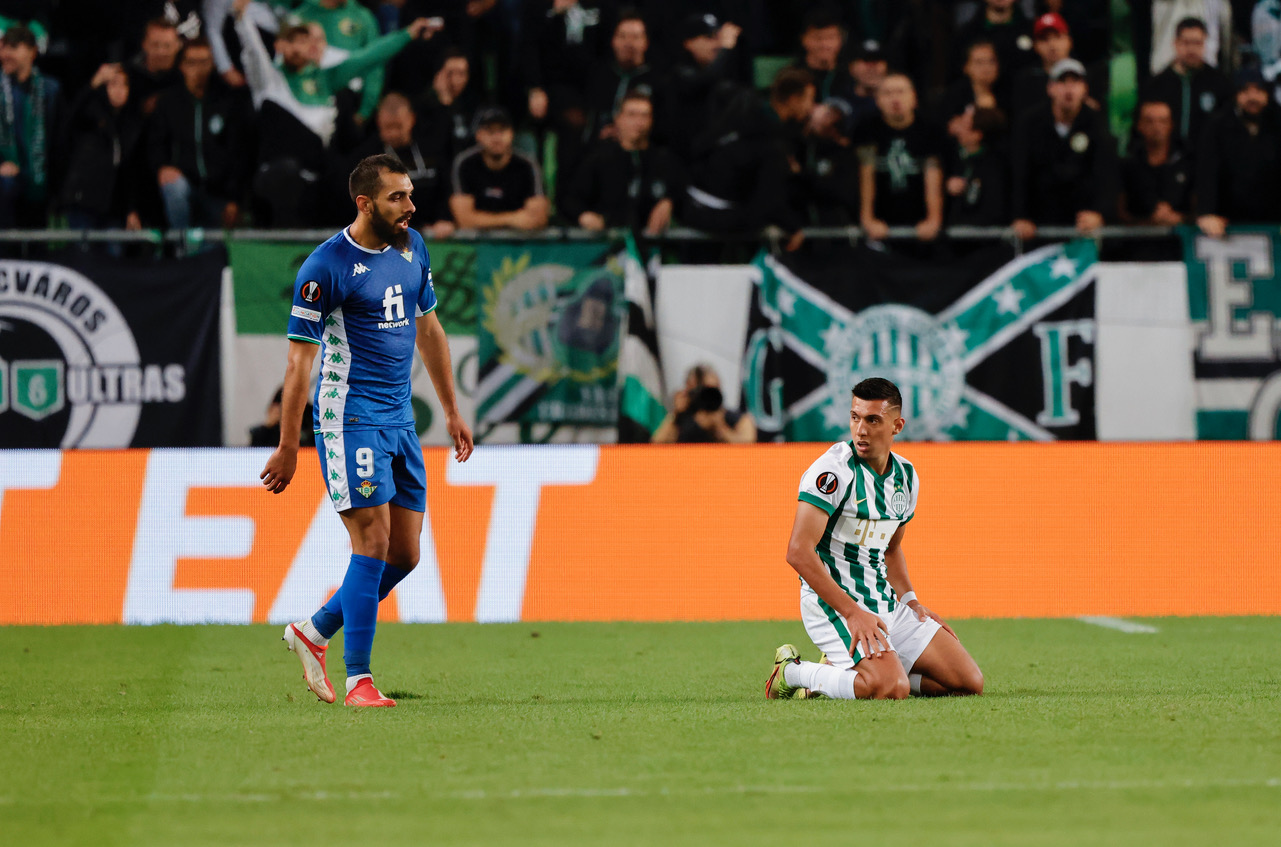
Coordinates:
(771,236)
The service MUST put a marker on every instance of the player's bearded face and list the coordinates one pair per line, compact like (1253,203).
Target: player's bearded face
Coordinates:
(390,223)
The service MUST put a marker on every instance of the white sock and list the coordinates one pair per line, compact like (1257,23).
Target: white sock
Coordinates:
(914,680)
(352,681)
(313,635)
(835,682)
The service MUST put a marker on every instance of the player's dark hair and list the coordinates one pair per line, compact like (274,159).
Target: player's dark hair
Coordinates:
(790,82)
(878,388)
(367,175)
(1189,23)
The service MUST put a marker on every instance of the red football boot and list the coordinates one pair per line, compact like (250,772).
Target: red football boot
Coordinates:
(312,657)
(364,694)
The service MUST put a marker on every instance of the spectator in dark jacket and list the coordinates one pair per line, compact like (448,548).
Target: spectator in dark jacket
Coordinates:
(396,134)
(742,163)
(199,145)
(155,69)
(1064,157)
(702,81)
(626,71)
(978,186)
(105,142)
(564,44)
(1053,43)
(1192,89)
(977,87)
(446,109)
(1156,179)
(1238,166)
(30,120)
(626,182)
(1003,23)
(822,42)
(868,68)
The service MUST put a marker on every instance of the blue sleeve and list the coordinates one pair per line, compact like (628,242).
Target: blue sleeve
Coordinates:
(427,291)
(315,296)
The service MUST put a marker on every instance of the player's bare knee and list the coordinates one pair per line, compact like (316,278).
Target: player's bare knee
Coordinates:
(971,682)
(374,542)
(406,560)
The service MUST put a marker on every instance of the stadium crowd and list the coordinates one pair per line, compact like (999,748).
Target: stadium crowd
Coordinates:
(718,115)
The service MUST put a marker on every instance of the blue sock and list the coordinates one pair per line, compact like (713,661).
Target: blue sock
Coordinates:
(329,619)
(359,594)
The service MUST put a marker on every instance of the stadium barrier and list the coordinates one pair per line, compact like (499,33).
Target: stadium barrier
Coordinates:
(576,532)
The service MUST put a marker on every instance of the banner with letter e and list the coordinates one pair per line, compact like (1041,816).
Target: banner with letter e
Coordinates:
(110,353)
(1234,300)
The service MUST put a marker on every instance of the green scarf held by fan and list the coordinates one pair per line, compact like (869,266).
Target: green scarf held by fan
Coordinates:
(24,132)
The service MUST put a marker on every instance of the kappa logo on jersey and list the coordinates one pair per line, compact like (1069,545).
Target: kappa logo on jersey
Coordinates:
(359,269)
(311,291)
(367,489)
(826,482)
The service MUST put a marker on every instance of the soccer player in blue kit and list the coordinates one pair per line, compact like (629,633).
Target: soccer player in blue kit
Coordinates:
(364,299)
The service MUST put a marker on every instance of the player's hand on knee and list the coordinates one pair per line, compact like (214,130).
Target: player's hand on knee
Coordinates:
(867,633)
(923,612)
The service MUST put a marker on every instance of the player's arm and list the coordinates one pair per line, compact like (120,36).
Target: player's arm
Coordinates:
(465,213)
(433,346)
(279,470)
(896,573)
(807,530)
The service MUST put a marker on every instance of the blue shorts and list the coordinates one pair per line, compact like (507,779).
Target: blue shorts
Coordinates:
(369,467)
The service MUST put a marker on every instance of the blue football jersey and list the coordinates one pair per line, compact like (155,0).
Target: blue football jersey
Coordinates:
(360,306)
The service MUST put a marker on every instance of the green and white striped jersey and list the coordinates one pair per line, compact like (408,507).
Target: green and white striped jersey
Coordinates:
(864,510)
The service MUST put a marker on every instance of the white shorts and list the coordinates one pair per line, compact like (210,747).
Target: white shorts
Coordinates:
(908,636)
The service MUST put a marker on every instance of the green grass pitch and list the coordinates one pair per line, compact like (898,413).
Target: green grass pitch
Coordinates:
(637,734)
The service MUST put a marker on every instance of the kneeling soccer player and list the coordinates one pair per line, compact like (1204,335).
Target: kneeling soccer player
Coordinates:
(857,602)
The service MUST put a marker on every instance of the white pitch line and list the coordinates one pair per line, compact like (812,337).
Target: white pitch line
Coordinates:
(1119,624)
(624,792)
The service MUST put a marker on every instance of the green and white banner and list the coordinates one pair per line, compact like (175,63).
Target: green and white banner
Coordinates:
(1234,299)
(983,349)
(550,322)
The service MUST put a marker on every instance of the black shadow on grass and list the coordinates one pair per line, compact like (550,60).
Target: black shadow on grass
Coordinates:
(403,695)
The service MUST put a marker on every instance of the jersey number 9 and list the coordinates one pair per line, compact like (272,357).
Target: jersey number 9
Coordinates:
(364,463)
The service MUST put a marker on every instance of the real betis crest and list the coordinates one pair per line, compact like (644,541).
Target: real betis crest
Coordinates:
(832,335)
(367,489)
(408,255)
